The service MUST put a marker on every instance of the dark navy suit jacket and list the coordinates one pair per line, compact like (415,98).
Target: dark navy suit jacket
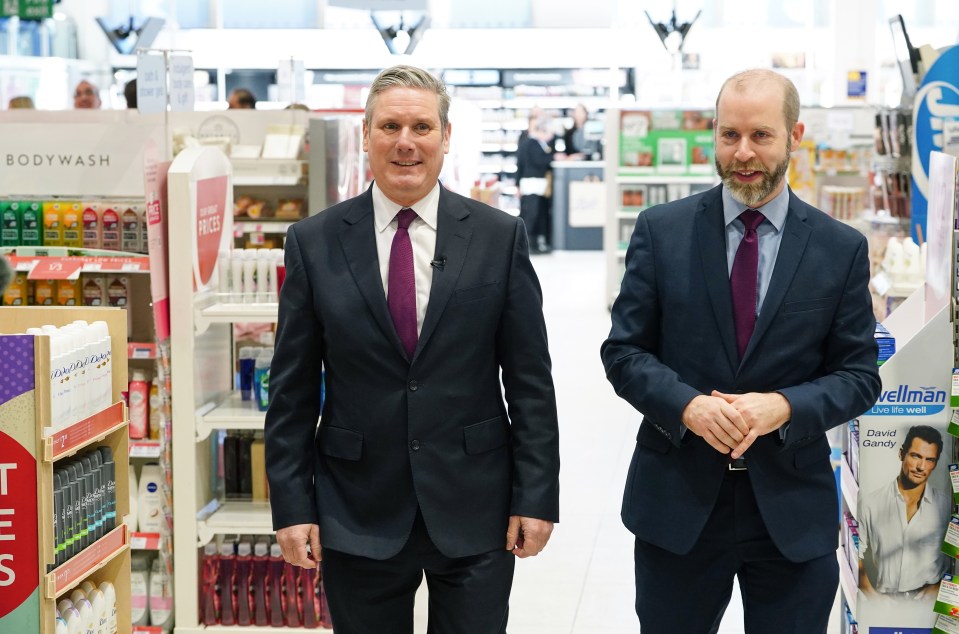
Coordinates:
(435,433)
(673,338)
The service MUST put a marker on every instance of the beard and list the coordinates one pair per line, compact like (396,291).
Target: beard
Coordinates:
(751,194)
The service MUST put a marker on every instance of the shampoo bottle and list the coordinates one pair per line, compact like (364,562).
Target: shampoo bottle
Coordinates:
(208,596)
(161,596)
(226,581)
(261,565)
(276,586)
(150,503)
(139,391)
(139,590)
(244,561)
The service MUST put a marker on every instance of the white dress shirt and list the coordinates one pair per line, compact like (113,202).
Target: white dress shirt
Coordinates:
(422,236)
(905,553)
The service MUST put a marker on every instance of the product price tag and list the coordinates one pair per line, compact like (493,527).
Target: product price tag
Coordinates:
(950,544)
(56,269)
(946,625)
(953,427)
(130,267)
(954,477)
(881,284)
(92,267)
(947,602)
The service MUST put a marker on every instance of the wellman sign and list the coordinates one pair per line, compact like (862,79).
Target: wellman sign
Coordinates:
(906,400)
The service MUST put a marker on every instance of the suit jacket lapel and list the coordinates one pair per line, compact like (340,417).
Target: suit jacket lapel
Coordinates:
(710,229)
(359,247)
(454,228)
(795,236)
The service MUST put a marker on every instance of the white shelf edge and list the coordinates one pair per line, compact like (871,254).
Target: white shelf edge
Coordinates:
(849,486)
(230,312)
(231,413)
(245,629)
(236,517)
(655,179)
(850,589)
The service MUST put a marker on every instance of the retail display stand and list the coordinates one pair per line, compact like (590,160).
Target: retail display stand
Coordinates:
(652,157)
(915,391)
(31,583)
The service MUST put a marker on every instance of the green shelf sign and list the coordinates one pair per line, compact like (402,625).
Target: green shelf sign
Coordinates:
(26,9)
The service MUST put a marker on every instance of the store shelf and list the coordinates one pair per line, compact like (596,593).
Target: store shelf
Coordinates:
(69,440)
(89,560)
(141,350)
(144,448)
(849,486)
(627,176)
(242,227)
(145,541)
(70,267)
(229,312)
(629,215)
(231,413)
(848,583)
(252,629)
(233,517)
(148,629)
(268,172)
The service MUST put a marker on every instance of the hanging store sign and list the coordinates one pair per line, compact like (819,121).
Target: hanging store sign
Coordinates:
(936,105)
(26,9)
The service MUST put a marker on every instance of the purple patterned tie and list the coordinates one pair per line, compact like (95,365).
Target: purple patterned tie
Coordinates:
(745,278)
(401,283)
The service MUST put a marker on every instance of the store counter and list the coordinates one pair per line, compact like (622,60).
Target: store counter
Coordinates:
(579,205)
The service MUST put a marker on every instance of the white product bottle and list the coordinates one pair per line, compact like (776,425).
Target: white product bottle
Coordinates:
(131,519)
(110,606)
(249,275)
(87,622)
(139,590)
(150,502)
(72,617)
(139,391)
(223,275)
(161,596)
(99,603)
(104,365)
(262,275)
(236,275)
(61,626)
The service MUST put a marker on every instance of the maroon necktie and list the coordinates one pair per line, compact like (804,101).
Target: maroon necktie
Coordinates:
(745,278)
(401,283)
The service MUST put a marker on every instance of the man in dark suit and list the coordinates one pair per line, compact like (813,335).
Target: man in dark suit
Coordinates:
(416,301)
(741,336)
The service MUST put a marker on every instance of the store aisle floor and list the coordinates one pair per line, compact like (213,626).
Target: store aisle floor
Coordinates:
(583,582)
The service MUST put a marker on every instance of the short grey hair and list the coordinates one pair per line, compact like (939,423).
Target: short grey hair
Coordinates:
(409,77)
(742,81)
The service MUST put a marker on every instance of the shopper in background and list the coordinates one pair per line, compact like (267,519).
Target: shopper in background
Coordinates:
(740,345)
(901,526)
(22,102)
(86,96)
(574,138)
(533,160)
(130,94)
(242,99)
(414,301)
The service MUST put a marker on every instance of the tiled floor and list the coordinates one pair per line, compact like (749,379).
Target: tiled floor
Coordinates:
(582,583)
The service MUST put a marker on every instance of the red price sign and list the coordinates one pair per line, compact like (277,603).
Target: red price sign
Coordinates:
(19,564)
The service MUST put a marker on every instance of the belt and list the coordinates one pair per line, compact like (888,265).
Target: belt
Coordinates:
(739,464)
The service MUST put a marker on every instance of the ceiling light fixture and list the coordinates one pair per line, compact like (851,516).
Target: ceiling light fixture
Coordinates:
(672,34)
(401,40)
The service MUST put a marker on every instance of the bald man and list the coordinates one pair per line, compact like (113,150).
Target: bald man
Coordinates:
(86,96)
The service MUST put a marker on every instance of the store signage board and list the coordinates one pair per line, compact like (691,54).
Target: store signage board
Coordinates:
(19,552)
(936,103)
(151,83)
(26,9)
(71,159)
(182,91)
(939,231)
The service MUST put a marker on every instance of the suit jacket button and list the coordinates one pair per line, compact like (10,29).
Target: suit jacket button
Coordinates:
(415,445)
(414,386)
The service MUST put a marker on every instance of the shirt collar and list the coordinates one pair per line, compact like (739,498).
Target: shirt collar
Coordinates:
(384,209)
(926,492)
(775,210)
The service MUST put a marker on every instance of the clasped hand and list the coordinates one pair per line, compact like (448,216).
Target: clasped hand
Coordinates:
(732,422)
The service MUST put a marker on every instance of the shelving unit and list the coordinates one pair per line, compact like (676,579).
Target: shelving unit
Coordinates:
(30,457)
(919,371)
(631,188)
